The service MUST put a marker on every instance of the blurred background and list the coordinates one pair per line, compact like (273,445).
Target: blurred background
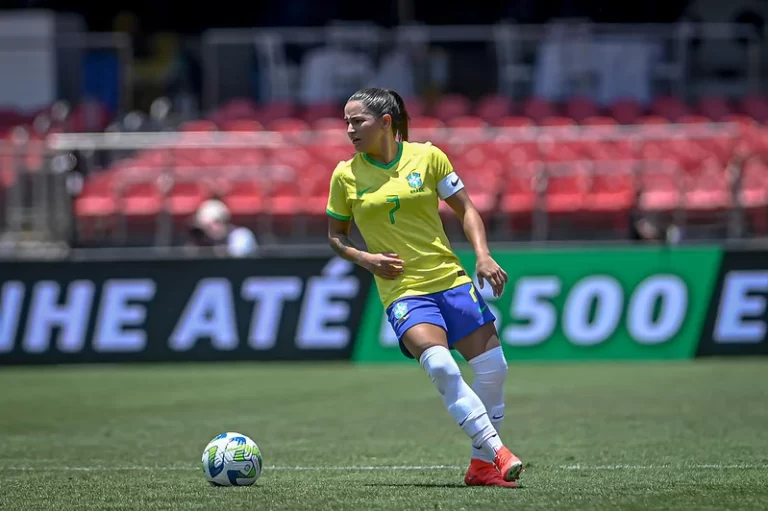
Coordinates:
(156,126)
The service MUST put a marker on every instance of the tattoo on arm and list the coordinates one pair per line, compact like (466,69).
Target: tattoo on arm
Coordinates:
(345,247)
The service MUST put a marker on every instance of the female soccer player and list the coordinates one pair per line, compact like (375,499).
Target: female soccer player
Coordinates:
(391,189)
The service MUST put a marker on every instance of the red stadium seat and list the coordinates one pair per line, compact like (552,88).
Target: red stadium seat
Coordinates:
(140,204)
(466,121)
(514,122)
(318,111)
(198,125)
(185,197)
(626,110)
(330,123)
(713,107)
(97,197)
(288,125)
(317,190)
(331,154)
(521,188)
(481,180)
(652,119)
(274,111)
(141,199)
(755,107)
(694,119)
(288,202)
(611,196)
(669,107)
(414,106)
(246,198)
(494,107)
(566,188)
(287,198)
(580,108)
(241,125)
(452,105)
(237,108)
(295,158)
(95,207)
(707,195)
(599,120)
(753,193)
(88,116)
(741,119)
(557,120)
(515,153)
(425,128)
(538,108)
(659,186)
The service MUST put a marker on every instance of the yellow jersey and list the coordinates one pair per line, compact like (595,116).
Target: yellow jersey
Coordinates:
(395,207)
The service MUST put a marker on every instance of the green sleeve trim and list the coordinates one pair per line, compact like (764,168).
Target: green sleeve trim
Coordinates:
(337,216)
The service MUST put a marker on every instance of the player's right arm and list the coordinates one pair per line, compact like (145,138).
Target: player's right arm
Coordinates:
(387,266)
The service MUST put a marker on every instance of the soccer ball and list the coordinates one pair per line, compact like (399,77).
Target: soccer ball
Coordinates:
(232,459)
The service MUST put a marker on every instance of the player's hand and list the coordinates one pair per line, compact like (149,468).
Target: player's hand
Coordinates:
(487,269)
(387,265)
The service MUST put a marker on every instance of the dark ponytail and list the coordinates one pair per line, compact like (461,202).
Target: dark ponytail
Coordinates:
(385,101)
(400,123)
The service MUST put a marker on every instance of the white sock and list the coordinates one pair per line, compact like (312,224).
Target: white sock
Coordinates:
(461,401)
(490,374)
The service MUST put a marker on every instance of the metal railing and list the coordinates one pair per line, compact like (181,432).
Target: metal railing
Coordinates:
(42,192)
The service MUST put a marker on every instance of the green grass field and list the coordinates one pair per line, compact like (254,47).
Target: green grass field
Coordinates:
(593,436)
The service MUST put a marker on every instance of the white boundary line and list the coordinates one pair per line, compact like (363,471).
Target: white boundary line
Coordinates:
(703,466)
(392,468)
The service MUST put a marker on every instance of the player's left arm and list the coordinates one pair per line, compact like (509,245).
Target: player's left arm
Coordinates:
(474,229)
(451,189)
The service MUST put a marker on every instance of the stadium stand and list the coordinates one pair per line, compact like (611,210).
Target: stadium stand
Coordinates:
(571,167)
(557,169)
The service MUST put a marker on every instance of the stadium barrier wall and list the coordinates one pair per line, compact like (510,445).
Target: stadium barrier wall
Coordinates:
(183,310)
(737,319)
(586,304)
(638,303)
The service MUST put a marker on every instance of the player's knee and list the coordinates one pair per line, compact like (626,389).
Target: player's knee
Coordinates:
(495,368)
(501,367)
(441,367)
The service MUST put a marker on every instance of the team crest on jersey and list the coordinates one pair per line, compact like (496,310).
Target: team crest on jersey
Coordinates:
(415,182)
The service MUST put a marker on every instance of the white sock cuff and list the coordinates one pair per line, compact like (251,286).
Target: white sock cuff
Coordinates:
(489,361)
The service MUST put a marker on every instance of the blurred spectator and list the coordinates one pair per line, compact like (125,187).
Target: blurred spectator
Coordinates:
(157,58)
(648,229)
(212,227)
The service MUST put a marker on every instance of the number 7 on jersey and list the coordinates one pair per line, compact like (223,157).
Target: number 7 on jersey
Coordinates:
(396,200)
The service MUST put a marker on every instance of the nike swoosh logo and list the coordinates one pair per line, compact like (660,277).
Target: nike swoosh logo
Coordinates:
(455,182)
(482,309)
(362,192)
(497,418)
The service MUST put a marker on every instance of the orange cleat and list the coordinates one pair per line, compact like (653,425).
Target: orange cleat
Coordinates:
(482,473)
(508,464)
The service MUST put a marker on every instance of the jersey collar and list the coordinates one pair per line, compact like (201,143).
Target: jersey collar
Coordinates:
(390,164)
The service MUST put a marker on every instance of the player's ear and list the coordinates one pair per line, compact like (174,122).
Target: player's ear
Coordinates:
(386,121)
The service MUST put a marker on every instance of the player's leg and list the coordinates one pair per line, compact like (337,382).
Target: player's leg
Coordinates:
(429,343)
(422,333)
(472,333)
(482,350)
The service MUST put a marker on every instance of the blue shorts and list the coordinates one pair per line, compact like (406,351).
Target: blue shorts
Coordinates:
(459,311)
